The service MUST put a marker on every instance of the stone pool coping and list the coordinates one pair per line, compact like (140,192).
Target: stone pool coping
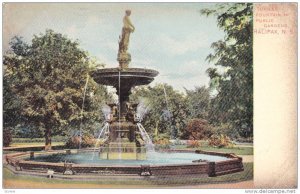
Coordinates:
(16,163)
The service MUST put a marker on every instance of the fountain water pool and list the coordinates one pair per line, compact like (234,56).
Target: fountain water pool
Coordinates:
(153,158)
(158,164)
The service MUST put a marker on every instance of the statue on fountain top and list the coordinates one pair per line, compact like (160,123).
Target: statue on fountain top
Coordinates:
(126,30)
(123,56)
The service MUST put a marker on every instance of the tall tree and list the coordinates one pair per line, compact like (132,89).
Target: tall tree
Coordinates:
(167,109)
(48,78)
(234,57)
(198,102)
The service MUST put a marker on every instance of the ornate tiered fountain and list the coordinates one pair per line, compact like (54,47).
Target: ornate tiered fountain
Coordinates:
(125,142)
(124,137)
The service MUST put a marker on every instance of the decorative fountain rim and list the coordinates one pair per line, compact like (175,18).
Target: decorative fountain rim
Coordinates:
(113,73)
(16,163)
(129,69)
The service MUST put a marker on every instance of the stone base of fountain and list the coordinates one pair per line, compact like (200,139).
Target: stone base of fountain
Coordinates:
(122,151)
(124,141)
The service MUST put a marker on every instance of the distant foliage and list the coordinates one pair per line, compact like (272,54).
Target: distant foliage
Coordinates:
(7,137)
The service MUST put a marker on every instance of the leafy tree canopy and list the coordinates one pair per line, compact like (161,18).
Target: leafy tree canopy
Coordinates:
(198,102)
(234,101)
(168,111)
(46,80)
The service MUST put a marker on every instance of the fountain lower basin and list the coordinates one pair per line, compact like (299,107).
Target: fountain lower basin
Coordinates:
(168,163)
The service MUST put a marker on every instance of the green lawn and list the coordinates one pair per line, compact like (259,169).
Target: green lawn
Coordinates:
(25,142)
(41,140)
(33,182)
(34,144)
(236,150)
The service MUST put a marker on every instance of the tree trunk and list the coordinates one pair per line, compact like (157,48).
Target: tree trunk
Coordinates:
(48,139)
(156,129)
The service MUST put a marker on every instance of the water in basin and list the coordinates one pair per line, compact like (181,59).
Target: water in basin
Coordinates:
(153,158)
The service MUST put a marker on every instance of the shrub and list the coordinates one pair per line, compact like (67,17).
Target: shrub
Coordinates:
(220,141)
(87,141)
(7,137)
(226,129)
(193,144)
(197,129)
(245,140)
(161,142)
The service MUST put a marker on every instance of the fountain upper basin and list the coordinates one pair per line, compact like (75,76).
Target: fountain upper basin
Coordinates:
(130,76)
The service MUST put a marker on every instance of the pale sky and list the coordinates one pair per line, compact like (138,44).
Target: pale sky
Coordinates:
(172,38)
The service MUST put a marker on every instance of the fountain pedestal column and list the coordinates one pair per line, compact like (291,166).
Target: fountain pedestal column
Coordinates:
(122,150)
(125,140)
(124,60)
